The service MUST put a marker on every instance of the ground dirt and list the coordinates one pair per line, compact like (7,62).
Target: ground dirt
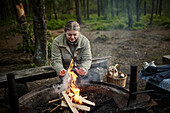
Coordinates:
(126,48)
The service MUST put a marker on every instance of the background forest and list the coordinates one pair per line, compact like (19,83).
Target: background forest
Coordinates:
(93,15)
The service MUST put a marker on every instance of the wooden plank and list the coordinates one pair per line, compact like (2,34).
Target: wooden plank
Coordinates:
(70,104)
(82,107)
(28,75)
(85,101)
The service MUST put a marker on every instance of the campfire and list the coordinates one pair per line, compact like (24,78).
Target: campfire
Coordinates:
(71,97)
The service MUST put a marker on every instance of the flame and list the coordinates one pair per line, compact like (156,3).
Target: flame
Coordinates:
(72,83)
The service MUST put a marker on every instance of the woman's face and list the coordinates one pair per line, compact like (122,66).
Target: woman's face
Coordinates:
(72,35)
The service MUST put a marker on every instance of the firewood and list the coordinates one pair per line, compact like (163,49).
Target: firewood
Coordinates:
(70,104)
(71,95)
(85,101)
(55,108)
(82,107)
(64,104)
(82,99)
(55,100)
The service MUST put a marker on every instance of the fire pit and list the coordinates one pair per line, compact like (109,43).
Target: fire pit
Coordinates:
(102,94)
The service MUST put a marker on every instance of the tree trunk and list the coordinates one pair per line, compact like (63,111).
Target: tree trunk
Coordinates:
(30,7)
(78,12)
(41,53)
(105,9)
(101,4)
(25,6)
(156,10)
(11,8)
(144,8)
(54,6)
(117,7)
(87,9)
(129,14)
(98,7)
(160,7)
(69,5)
(137,10)
(84,8)
(50,9)
(152,12)
(112,8)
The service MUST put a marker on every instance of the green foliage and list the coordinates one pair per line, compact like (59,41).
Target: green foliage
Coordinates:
(50,47)
(31,47)
(161,21)
(109,24)
(139,25)
(8,21)
(29,18)
(33,65)
(121,22)
(54,24)
(67,17)
(24,48)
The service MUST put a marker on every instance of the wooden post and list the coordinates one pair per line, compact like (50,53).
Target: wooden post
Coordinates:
(133,81)
(13,97)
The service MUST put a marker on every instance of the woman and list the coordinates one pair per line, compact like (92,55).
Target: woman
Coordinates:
(71,45)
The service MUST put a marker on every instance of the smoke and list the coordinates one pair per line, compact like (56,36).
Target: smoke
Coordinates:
(94,74)
(63,86)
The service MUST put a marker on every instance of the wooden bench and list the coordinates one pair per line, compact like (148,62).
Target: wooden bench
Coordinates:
(43,72)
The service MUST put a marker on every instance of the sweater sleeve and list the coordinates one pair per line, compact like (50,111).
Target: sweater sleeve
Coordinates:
(56,57)
(86,56)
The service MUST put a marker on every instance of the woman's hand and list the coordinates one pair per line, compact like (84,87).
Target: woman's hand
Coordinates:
(80,71)
(62,72)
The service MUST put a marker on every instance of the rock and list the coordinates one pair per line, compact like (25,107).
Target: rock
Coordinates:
(102,38)
(166,59)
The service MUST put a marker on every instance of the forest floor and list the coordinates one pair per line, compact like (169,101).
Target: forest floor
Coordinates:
(125,46)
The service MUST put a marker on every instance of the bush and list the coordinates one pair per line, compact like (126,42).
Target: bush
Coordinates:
(55,24)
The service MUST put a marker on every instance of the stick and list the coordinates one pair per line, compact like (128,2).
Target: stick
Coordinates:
(70,104)
(82,107)
(54,108)
(55,100)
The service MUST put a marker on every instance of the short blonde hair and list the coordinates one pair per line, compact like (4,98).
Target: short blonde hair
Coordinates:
(72,25)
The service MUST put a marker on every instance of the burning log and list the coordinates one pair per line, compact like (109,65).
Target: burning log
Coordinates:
(71,95)
(86,101)
(82,107)
(70,104)
(75,95)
